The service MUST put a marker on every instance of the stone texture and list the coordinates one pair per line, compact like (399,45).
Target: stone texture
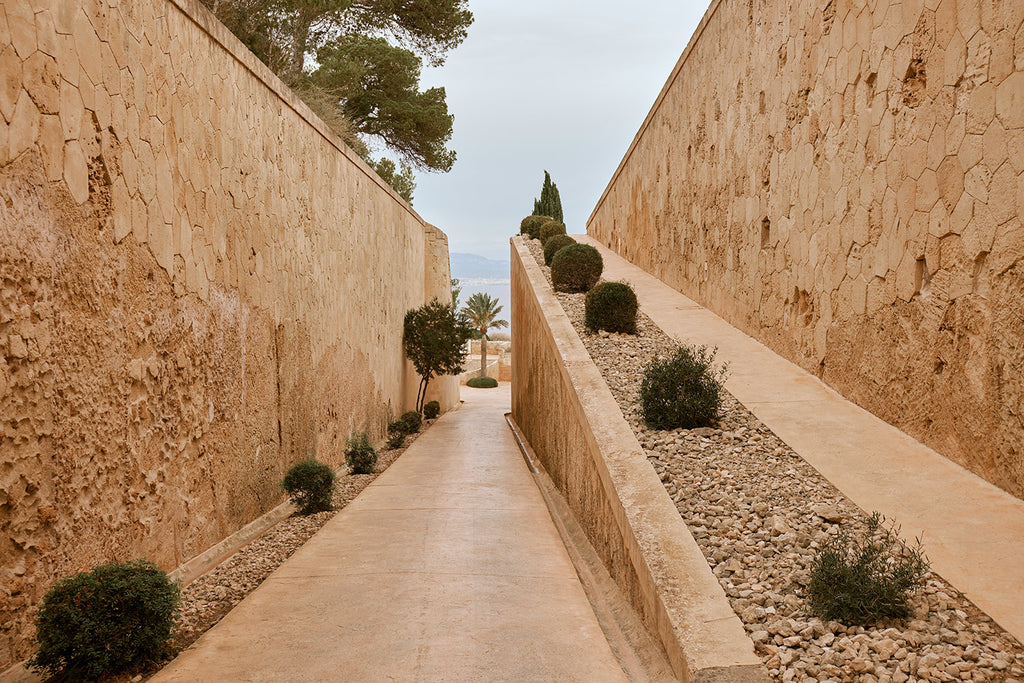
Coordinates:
(199,285)
(803,174)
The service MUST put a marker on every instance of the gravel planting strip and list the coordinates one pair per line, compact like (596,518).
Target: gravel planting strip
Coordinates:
(760,513)
(206,600)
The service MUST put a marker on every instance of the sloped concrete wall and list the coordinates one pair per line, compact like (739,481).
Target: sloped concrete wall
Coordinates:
(199,285)
(844,181)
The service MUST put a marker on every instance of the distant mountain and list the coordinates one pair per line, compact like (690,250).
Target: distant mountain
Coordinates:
(472,267)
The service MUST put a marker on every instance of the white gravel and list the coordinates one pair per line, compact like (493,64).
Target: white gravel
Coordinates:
(760,513)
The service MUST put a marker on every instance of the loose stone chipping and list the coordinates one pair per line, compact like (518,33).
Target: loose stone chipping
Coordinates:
(759,513)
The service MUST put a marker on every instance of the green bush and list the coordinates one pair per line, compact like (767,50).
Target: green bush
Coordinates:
(413,421)
(860,579)
(550,229)
(397,427)
(360,454)
(482,383)
(552,246)
(576,268)
(431,410)
(115,618)
(310,485)
(531,226)
(611,306)
(396,440)
(683,390)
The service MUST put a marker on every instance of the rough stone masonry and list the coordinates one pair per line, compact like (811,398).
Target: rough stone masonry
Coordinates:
(199,285)
(844,181)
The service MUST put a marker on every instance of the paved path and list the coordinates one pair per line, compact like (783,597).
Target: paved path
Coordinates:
(973,532)
(447,567)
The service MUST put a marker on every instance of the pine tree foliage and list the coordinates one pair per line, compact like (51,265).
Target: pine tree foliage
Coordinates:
(550,203)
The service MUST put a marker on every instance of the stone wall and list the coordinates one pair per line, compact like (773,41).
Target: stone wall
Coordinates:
(844,181)
(568,415)
(199,285)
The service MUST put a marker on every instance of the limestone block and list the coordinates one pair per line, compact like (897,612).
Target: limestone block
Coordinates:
(51,147)
(1010,101)
(981,108)
(24,126)
(1018,50)
(1003,194)
(927,191)
(140,220)
(42,82)
(46,32)
(971,150)
(88,47)
(10,82)
(979,235)
(1015,149)
(121,209)
(976,182)
(1002,57)
(938,222)
(906,199)
(76,171)
(962,214)
(21,25)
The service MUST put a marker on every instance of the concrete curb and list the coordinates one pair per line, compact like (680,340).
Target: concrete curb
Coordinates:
(566,411)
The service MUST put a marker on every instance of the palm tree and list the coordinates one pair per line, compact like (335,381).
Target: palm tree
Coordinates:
(482,311)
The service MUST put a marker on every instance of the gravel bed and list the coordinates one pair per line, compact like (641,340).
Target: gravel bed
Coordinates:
(759,513)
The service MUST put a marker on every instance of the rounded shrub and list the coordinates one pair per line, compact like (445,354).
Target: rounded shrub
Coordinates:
(413,421)
(553,244)
(431,410)
(682,391)
(360,453)
(482,383)
(396,440)
(611,306)
(576,268)
(531,226)
(115,618)
(550,229)
(310,485)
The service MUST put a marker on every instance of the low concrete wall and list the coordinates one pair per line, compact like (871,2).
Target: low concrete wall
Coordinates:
(569,416)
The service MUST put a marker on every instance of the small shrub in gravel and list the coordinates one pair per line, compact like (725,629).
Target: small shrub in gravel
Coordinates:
(861,579)
(115,618)
(611,306)
(683,391)
(431,410)
(413,421)
(550,229)
(397,427)
(531,226)
(396,440)
(360,454)
(552,246)
(482,383)
(576,268)
(310,485)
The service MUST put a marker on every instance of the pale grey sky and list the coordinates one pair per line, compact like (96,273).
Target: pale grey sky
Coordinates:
(560,85)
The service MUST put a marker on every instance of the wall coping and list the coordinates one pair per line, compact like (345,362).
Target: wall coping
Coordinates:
(690,46)
(703,637)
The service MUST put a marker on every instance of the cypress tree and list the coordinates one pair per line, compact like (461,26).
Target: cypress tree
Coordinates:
(550,203)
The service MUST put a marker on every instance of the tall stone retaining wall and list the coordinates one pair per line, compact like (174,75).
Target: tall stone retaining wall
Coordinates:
(199,285)
(566,412)
(845,182)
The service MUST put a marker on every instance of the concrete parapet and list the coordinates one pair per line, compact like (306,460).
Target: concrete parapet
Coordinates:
(569,416)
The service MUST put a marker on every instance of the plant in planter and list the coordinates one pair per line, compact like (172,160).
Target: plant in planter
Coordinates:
(310,485)
(360,453)
(552,246)
(431,410)
(482,382)
(530,226)
(683,390)
(550,229)
(611,306)
(576,268)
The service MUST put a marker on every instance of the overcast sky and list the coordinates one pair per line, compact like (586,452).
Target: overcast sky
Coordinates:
(546,84)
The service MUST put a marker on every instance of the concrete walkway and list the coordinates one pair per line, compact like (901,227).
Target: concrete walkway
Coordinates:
(447,567)
(973,532)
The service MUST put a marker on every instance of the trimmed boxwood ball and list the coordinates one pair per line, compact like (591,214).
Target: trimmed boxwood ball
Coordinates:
(413,421)
(431,410)
(310,485)
(550,229)
(611,306)
(531,226)
(683,391)
(576,268)
(552,246)
(115,618)
(482,383)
